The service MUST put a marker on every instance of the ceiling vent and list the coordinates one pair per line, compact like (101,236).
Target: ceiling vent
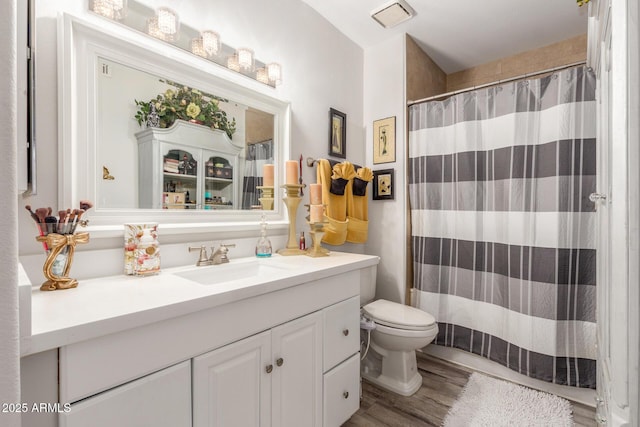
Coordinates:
(391,14)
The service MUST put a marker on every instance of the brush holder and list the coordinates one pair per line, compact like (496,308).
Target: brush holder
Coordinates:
(61,248)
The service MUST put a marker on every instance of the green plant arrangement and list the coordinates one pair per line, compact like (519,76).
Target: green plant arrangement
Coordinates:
(185,103)
(581,2)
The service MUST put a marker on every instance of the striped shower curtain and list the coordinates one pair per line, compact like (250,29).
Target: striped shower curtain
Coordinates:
(503,240)
(258,154)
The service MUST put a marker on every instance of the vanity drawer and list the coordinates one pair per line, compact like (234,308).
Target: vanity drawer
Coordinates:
(341,394)
(341,331)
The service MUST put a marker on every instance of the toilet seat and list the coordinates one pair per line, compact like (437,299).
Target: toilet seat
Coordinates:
(399,316)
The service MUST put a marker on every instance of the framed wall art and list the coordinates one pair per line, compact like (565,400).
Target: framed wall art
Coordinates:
(383,185)
(384,140)
(337,134)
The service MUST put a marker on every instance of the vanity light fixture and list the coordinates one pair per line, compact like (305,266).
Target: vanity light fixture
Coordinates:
(112,9)
(274,72)
(168,23)
(246,60)
(165,25)
(197,47)
(152,28)
(210,42)
(262,75)
(232,63)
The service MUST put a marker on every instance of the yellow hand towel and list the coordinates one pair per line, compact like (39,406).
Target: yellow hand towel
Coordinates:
(357,207)
(336,185)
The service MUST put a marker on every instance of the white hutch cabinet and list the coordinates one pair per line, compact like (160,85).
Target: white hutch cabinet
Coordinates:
(188,166)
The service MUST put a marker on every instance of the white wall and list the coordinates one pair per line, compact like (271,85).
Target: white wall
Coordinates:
(384,96)
(322,69)
(9,349)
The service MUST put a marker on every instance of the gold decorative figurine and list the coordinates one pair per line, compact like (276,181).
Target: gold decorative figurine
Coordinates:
(60,245)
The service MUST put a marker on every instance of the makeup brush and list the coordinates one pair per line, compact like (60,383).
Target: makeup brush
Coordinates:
(50,222)
(41,213)
(38,226)
(61,217)
(85,205)
(33,214)
(79,213)
(66,221)
(71,217)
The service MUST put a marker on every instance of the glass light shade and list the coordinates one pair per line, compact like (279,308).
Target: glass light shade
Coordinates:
(112,9)
(153,30)
(232,63)
(210,42)
(246,61)
(262,75)
(197,47)
(168,23)
(274,71)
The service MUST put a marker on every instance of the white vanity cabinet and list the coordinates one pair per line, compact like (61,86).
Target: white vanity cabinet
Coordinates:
(189,158)
(273,378)
(288,357)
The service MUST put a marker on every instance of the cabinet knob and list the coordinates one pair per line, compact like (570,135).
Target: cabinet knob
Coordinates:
(280,361)
(345,332)
(269,369)
(345,394)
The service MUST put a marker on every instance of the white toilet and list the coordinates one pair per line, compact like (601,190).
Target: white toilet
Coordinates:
(399,331)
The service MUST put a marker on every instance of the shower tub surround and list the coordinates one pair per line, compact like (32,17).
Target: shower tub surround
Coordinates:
(283,330)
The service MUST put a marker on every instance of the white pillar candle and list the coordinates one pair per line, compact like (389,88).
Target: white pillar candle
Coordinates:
(316,213)
(267,175)
(292,172)
(315,194)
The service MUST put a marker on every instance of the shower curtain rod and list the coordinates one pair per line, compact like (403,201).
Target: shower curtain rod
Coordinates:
(520,77)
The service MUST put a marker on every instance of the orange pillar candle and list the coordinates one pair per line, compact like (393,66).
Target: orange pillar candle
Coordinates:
(315,194)
(267,175)
(316,213)
(292,172)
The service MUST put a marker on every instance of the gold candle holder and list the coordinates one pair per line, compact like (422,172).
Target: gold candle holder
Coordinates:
(292,201)
(266,201)
(63,245)
(317,231)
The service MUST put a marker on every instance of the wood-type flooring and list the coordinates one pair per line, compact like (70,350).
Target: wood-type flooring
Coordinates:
(442,382)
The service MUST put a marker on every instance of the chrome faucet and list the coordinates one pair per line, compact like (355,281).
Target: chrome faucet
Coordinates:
(202,258)
(220,255)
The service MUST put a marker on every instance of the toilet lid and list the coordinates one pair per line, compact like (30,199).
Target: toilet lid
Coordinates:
(398,315)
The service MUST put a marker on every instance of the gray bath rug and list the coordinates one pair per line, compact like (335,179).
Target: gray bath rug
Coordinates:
(486,401)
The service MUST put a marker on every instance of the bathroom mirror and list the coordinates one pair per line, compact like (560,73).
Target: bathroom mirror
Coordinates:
(103,70)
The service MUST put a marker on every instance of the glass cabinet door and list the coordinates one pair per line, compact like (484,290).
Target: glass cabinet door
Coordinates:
(218,183)
(180,180)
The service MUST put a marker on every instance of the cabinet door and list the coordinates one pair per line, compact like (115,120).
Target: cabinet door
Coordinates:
(162,399)
(231,385)
(297,380)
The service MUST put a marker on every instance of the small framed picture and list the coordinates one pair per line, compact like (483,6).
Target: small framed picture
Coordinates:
(384,140)
(383,185)
(337,134)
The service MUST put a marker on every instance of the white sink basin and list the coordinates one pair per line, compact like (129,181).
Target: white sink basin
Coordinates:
(216,274)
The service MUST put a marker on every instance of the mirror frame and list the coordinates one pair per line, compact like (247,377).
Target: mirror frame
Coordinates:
(80,45)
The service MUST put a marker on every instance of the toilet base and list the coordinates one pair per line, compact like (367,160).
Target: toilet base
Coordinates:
(397,371)
(402,388)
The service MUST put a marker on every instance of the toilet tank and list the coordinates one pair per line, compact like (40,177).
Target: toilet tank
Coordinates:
(367,284)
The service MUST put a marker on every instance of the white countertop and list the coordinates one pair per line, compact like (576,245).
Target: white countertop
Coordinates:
(110,304)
